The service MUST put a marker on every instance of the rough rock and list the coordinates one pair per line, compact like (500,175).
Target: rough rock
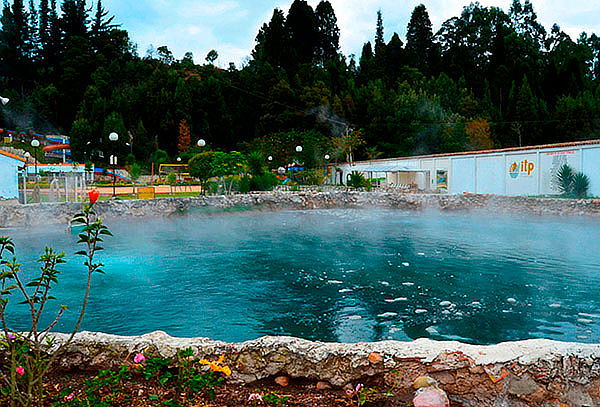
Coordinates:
(534,372)
(283,381)
(14,214)
(323,385)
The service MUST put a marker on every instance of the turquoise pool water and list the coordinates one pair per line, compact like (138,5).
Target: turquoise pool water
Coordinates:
(338,275)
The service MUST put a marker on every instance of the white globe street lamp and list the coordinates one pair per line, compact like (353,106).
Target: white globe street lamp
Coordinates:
(270,158)
(327,156)
(114,137)
(201,143)
(298,149)
(4,101)
(35,143)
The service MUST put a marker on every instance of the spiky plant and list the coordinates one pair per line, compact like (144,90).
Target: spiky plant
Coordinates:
(564,179)
(581,185)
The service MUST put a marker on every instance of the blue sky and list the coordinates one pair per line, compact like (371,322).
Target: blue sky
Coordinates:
(230,26)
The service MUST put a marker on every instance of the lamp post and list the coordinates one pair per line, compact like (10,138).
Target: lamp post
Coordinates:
(4,100)
(201,143)
(26,155)
(114,137)
(179,169)
(35,143)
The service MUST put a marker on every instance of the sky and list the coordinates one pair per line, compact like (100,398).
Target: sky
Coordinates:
(230,26)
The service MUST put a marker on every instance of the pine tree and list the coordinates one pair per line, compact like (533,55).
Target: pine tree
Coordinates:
(419,40)
(271,41)
(303,36)
(44,26)
(379,38)
(395,58)
(328,30)
(33,32)
(74,19)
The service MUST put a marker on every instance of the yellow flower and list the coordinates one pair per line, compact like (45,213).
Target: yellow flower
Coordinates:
(216,366)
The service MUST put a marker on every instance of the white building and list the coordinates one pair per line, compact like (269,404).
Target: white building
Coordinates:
(9,174)
(509,171)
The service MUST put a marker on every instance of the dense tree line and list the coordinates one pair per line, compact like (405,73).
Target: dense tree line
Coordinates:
(487,78)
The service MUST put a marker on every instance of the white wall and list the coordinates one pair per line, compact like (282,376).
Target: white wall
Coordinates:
(550,162)
(591,168)
(463,175)
(490,174)
(9,178)
(524,179)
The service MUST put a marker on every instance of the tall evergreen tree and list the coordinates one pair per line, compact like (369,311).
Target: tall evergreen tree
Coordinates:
(271,41)
(74,19)
(301,27)
(379,37)
(419,40)
(329,32)
(44,26)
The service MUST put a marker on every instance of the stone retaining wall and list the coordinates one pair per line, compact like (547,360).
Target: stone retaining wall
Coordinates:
(529,373)
(13,215)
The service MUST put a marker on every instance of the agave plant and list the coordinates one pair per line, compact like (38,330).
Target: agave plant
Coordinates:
(580,185)
(564,179)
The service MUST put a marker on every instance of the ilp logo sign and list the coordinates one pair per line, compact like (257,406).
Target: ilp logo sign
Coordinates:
(523,168)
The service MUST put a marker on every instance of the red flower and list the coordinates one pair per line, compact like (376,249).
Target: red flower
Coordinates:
(94,195)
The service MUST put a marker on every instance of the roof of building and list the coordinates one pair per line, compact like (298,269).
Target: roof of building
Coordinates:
(13,156)
(494,151)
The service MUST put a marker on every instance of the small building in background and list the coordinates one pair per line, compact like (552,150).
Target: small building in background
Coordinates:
(511,171)
(9,174)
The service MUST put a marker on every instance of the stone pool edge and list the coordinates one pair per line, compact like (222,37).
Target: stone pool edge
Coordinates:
(16,215)
(531,371)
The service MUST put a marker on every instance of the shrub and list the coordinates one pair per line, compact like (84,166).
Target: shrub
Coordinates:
(564,179)
(571,184)
(256,163)
(357,180)
(201,166)
(581,185)
(312,177)
(264,182)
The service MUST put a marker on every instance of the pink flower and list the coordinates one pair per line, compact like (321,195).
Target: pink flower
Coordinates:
(255,397)
(139,358)
(20,371)
(70,397)
(11,337)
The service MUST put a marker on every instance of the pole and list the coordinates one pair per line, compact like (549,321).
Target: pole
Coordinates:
(36,190)
(114,163)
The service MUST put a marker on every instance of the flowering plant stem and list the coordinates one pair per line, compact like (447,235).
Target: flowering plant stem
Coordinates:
(29,356)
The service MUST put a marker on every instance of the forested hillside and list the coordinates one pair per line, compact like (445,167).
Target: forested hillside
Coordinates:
(486,78)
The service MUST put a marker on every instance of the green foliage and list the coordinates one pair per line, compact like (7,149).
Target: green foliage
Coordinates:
(357,180)
(72,70)
(273,398)
(184,373)
(135,171)
(311,177)
(256,163)
(160,157)
(172,179)
(581,185)
(201,166)
(564,179)
(572,184)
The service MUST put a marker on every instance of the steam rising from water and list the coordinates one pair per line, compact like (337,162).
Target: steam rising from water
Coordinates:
(340,275)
